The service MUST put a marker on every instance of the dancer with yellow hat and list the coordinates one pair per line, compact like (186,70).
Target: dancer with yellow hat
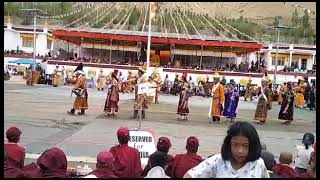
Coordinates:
(129,84)
(56,76)
(299,94)
(140,97)
(156,78)
(101,81)
(264,102)
(249,90)
(218,98)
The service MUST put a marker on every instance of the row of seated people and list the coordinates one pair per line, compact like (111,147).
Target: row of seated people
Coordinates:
(242,155)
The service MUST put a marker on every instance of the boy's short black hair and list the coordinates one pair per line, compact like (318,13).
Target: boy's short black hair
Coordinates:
(243,129)
(123,140)
(158,159)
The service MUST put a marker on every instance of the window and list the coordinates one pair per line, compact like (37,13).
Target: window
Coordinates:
(27,42)
(281,61)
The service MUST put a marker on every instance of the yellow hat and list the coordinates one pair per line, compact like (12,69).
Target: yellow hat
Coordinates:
(156,71)
(143,69)
(264,81)
(216,75)
(144,79)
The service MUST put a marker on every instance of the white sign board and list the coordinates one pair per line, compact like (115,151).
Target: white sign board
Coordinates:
(146,88)
(144,142)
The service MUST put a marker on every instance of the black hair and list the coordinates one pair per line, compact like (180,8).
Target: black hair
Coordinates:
(191,149)
(268,159)
(184,79)
(308,140)
(244,129)
(114,76)
(14,139)
(158,159)
(163,149)
(123,140)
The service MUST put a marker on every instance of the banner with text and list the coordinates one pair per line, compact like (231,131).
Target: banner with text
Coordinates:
(144,142)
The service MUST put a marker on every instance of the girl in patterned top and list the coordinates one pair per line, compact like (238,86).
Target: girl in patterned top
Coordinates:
(240,156)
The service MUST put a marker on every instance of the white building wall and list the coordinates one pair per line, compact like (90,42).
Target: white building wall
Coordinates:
(41,44)
(238,60)
(268,60)
(252,57)
(309,63)
(11,40)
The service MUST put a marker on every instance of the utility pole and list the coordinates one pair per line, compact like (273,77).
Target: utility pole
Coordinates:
(34,13)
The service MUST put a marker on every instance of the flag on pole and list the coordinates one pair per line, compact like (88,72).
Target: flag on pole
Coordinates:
(153,10)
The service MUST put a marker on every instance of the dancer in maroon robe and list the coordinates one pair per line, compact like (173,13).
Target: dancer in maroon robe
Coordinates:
(184,162)
(127,162)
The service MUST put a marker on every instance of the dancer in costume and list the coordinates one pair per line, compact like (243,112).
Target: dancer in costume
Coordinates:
(264,102)
(56,76)
(183,107)
(141,99)
(299,94)
(101,81)
(111,104)
(80,89)
(232,100)
(287,107)
(218,98)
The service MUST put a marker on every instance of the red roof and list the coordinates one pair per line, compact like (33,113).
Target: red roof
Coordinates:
(76,37)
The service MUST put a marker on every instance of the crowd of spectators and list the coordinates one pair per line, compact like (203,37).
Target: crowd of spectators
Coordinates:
(253,67)
(242,155)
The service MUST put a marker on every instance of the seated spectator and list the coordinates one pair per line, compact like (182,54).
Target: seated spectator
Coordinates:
(9,170)
(163,145)
(240,156)
(32,171)
(269,161)
(158,164)
(304,153)
(53,164)
(127,159)
(283,169)
(184,162)
(103,167)
(16,153)
(311,172)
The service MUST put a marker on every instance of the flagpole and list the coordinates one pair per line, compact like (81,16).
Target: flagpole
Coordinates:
(149,37)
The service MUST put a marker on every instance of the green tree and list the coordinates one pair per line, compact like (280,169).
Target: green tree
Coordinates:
(276,21)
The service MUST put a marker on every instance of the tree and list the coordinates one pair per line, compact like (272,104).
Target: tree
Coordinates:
(276,21)
(295,18)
